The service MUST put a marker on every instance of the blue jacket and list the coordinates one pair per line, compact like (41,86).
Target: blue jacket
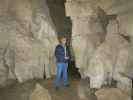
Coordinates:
(60,54)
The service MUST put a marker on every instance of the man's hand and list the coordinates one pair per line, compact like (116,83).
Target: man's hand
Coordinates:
(66,57)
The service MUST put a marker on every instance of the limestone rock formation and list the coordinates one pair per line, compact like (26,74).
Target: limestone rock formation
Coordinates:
(40,93)
(28,38)
(112,94)
(87,30)
(111,58)
(7,41)
(34,42)
(3,69)
(101,43)
(83,89)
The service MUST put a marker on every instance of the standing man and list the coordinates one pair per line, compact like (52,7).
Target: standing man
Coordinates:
(61,55)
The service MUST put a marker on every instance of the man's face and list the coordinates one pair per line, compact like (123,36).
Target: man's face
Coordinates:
(63,41)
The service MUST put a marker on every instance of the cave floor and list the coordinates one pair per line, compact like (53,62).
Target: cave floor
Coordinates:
(22,91)
(19,91)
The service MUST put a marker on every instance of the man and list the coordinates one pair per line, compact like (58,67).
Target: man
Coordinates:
(62,62)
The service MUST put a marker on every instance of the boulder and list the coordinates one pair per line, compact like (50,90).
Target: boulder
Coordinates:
(112,94)
(40,93)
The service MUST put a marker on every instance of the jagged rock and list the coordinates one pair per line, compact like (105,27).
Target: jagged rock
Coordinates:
(27,33)
(129,70)
(7,42)
(110,58)
(83,89)
(106,61)
(84,33)
(3,75)
(10,62)
(3,69)
(29,62)
(102,49)
(34,43)
(112,94)
(40,93)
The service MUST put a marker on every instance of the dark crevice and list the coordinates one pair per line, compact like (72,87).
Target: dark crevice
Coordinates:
(63,26)
(126,38)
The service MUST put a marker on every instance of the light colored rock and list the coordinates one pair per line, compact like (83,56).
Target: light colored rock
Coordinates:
(87,30)
(110,58)
(40,93)
(102,53)
(3,69)
(10,62)
(78,9)
(7,42)
(83,89)
(122,63)
(27,33)
(29,55)
(112,94)
(104,61)
(34,46)
(129,70)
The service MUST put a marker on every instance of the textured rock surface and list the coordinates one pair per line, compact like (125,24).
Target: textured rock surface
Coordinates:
(3,69)
(87,30)
(84,33)
(7,49)
(26,36)
(103,48)
(102,45)
(34,46)
(112,94)
(40,93)
(83,89)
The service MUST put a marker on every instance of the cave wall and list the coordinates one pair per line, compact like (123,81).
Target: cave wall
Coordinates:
(102,40)
(27,33)
(102,45)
